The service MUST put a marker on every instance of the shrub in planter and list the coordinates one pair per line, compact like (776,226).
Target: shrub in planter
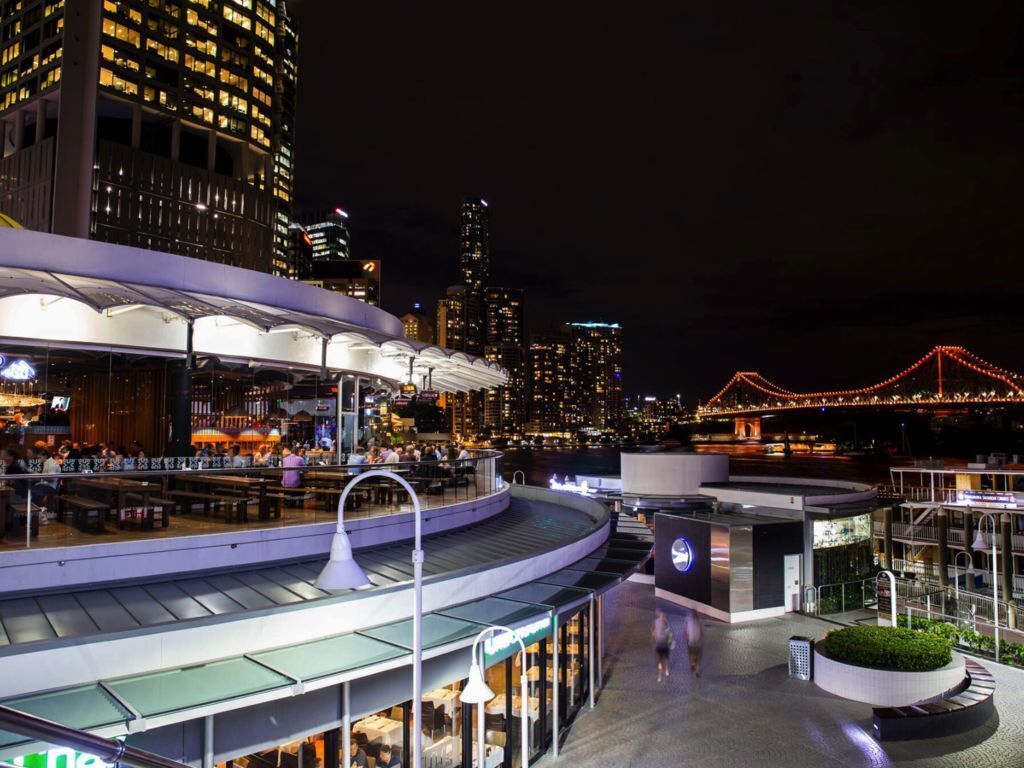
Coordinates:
(1009,653)
(892,648)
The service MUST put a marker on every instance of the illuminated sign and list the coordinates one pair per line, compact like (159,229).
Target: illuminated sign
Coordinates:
(987,497)
(58,758)
(580,488)
(503,644)
(682,555)
(19,370)
(401,402)
(408,389)
(429,395)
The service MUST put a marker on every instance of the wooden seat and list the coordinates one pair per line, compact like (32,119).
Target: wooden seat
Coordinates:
(88,514)
(968,708)
(165,506)
(235,505)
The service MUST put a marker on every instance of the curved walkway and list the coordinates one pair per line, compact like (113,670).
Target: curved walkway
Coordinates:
(744,711)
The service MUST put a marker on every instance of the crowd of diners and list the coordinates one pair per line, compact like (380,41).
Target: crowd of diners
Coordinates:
(425,459)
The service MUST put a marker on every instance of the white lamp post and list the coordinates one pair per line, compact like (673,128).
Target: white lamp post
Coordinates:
(342,572)
(956,574)
(979,544)
(478,692)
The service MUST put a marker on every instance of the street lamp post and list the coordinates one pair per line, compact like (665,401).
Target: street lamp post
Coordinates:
(956,574)
(478,692)
(342,572)
(979,544)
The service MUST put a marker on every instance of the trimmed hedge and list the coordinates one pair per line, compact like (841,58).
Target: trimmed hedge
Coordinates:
(892,648)
(1009,653)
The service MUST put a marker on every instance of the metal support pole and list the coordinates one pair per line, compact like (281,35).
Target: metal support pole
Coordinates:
(208,742)
(28,519)
(417,633)
(481,751)
(555,691)
(590,649)
(346,725)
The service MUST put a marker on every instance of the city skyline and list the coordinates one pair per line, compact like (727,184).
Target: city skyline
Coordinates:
(706,233)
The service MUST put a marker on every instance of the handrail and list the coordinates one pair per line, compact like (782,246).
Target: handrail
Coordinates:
(814,599)
(110,751)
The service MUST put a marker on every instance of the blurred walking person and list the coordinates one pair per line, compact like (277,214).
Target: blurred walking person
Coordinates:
(661,635)
(693,629)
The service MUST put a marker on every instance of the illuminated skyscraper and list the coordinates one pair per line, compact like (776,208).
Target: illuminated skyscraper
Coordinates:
(418,325)
(551,385)
(596,368)
(474,245)
(329,232)
(168,124)
(505,407)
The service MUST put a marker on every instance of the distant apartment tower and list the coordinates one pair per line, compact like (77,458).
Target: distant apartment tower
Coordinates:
(329,232)
(505,407)
(418,325)
(290,250)
(298,254)
(551,390)
(596,365)
(474,244)
(163,122)
(357,278)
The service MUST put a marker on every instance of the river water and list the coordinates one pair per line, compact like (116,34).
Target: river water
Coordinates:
(539,464)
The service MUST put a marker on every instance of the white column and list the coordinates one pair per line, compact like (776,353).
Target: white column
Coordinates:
(208,742)
(481,751)
(590,649)
(346,725)
(554,692)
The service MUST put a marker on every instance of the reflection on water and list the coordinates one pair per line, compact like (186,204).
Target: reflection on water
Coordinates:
(539,464)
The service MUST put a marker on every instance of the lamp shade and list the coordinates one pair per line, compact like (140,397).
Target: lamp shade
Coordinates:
(341,571)
(980,541)
(476,690)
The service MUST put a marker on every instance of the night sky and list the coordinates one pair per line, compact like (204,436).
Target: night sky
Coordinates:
(813,191)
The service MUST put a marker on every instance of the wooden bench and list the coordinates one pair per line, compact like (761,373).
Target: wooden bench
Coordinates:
(149,513)
(236,505)
(970,707)
(17,515)
(88,514)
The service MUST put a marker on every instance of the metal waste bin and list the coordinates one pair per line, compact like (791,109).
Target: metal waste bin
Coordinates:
(801,657)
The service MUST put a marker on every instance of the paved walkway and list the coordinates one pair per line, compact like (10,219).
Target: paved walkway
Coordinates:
(745,711)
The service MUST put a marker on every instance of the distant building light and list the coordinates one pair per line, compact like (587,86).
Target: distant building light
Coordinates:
(201,206)
(416,305)
(483,202)
(341,213)
(594,325)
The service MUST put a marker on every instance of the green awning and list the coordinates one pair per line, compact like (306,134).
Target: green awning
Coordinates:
(437,630)
(174,690)
(599,582)
(559,598)
(86,708)
(495,610)
(331,656)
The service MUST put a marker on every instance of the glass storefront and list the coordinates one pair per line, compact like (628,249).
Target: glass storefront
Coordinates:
(449,729)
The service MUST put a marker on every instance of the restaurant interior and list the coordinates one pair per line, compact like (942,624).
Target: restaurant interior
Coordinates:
(449,727)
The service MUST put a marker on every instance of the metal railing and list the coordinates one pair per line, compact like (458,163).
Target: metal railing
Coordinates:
(105,505)
(846,596)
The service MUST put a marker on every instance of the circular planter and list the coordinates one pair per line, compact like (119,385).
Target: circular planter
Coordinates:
(884,687)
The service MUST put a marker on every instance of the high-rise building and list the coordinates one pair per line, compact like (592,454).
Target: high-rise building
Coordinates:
(298,255)
(164,122)
(505,406)
(474,244)
(358,278)
(418,325)
(290,253)
(596,365)
(551,385)
(329,233)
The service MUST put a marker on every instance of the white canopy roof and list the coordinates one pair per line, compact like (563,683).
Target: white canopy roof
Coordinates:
(113,280)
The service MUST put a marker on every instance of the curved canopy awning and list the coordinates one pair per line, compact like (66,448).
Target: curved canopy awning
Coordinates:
(115,287)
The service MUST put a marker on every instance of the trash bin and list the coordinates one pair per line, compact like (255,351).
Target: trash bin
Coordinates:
(801,657)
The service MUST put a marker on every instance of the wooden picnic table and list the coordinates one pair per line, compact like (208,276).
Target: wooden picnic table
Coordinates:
(118,489)
(239,482)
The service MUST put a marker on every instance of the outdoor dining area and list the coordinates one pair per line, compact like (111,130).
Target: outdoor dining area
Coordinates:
(92,507)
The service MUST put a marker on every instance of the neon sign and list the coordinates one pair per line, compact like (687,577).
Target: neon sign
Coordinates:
(19,370)
(682,555)
(581,488)
(61,757)
(500,642)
